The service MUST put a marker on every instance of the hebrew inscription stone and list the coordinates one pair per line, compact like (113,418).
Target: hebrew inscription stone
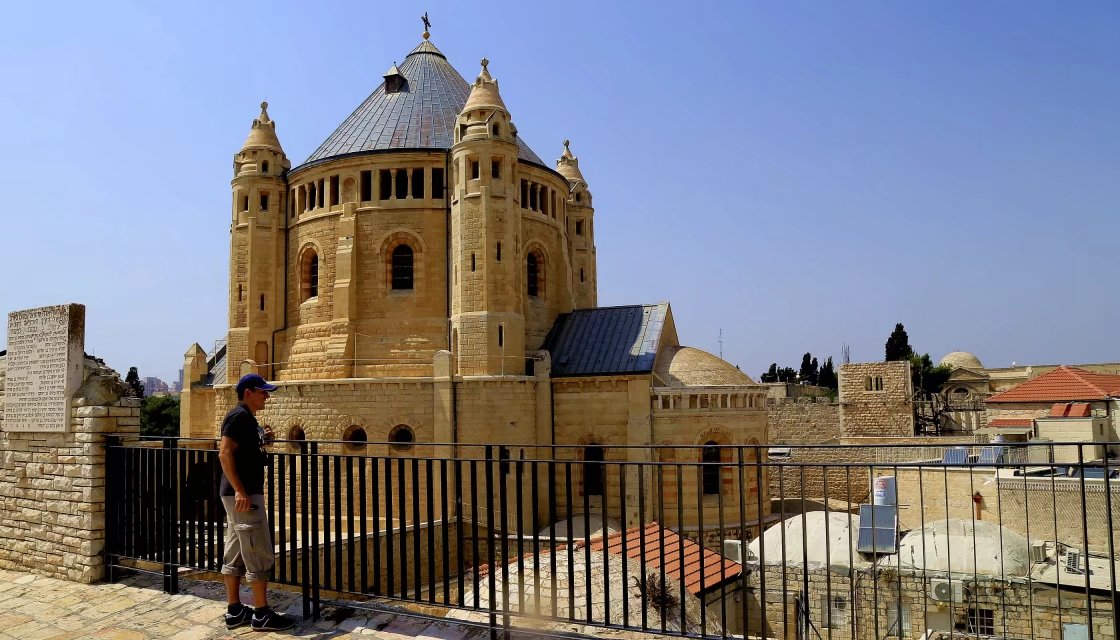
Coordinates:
(45,351)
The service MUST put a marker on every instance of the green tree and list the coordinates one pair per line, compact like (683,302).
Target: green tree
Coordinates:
(808,371)
(927,378)
(771,374)
(132,379)
(787,374)
(898,345)
(827,375)
(159,416)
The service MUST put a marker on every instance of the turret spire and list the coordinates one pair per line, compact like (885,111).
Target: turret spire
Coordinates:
(262,135)
(568,164)
(484,92)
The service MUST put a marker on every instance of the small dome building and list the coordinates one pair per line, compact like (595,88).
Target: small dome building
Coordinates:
(962,360)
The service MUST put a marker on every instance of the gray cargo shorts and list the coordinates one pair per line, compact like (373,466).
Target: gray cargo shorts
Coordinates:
(248,550)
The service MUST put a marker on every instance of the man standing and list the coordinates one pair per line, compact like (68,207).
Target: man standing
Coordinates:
(248,549)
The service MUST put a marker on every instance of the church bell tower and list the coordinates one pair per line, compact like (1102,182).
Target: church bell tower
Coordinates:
(487,315)
(256,248)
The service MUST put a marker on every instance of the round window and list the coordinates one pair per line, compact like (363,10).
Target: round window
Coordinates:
(355,437)
(402,437)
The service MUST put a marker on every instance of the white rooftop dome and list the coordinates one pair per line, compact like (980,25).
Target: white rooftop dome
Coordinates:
(964,547)
(962,359)
(834,547)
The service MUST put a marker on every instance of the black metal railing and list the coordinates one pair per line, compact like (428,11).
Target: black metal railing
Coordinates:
(824,541)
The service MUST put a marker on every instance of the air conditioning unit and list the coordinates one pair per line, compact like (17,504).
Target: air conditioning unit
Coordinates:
(946,590)
(1073,561)
(733,550)
(1038,552)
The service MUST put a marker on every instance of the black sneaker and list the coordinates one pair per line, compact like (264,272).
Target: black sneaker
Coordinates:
(241,619)
(266,619)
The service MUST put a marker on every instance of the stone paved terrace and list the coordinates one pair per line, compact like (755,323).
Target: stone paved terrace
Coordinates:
(38,608)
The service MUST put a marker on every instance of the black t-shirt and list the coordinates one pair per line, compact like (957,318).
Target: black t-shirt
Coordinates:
(249,456)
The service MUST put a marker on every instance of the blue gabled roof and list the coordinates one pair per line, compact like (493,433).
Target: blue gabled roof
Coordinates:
(421,115)
(606,341)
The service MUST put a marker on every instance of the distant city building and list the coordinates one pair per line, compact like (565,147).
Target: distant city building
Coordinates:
(153,385)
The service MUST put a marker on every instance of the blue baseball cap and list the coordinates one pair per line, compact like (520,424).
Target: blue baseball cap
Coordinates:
(253,381)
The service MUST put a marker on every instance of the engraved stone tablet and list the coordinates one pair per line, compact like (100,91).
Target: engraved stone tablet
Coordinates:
(45,351)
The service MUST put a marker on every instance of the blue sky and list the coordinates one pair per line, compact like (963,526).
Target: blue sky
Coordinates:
(800,175)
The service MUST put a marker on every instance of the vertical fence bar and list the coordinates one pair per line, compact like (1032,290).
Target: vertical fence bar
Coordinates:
(552,518)
(569,508)
(701,467)
(184,502)
(171,516)
(519,502)
(313,541)
(271,494)
(604,469)
(534,521)
(503,507)
(446,520)
(351,584)
(476,563)
(281,522)
(1085,537)
(744,541)
(460,550)
(418,582)
(339,541)
(429,493)
(680,542)
(402,526)
(490,559)
(375,516)
(624,545)
(327,545)
(758,462)
(722,565)
(804,599)
(660,539)
(218,532)
(363,527)
(390,553)
(305,533)
(587,468)
(642,540)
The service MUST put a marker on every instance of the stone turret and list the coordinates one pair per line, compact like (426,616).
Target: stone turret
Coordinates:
(256,246)
(581,231)
(487,313)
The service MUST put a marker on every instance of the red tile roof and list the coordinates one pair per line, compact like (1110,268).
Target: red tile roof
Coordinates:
(695,556)
(1011,422)
(1070,410)
(1062,385)
(712,561)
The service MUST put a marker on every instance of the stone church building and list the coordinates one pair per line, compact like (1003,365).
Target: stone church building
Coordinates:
(424,278)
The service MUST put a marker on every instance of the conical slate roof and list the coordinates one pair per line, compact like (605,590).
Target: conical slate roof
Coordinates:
(420,116)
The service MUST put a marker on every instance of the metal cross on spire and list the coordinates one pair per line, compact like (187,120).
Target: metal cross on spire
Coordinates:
(427,24)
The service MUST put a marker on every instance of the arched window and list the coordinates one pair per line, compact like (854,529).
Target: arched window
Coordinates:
(309,274)
(402,267)
(313,276)
(710,472)
(593,470)
(297,439)
(534,274)
(402,437)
